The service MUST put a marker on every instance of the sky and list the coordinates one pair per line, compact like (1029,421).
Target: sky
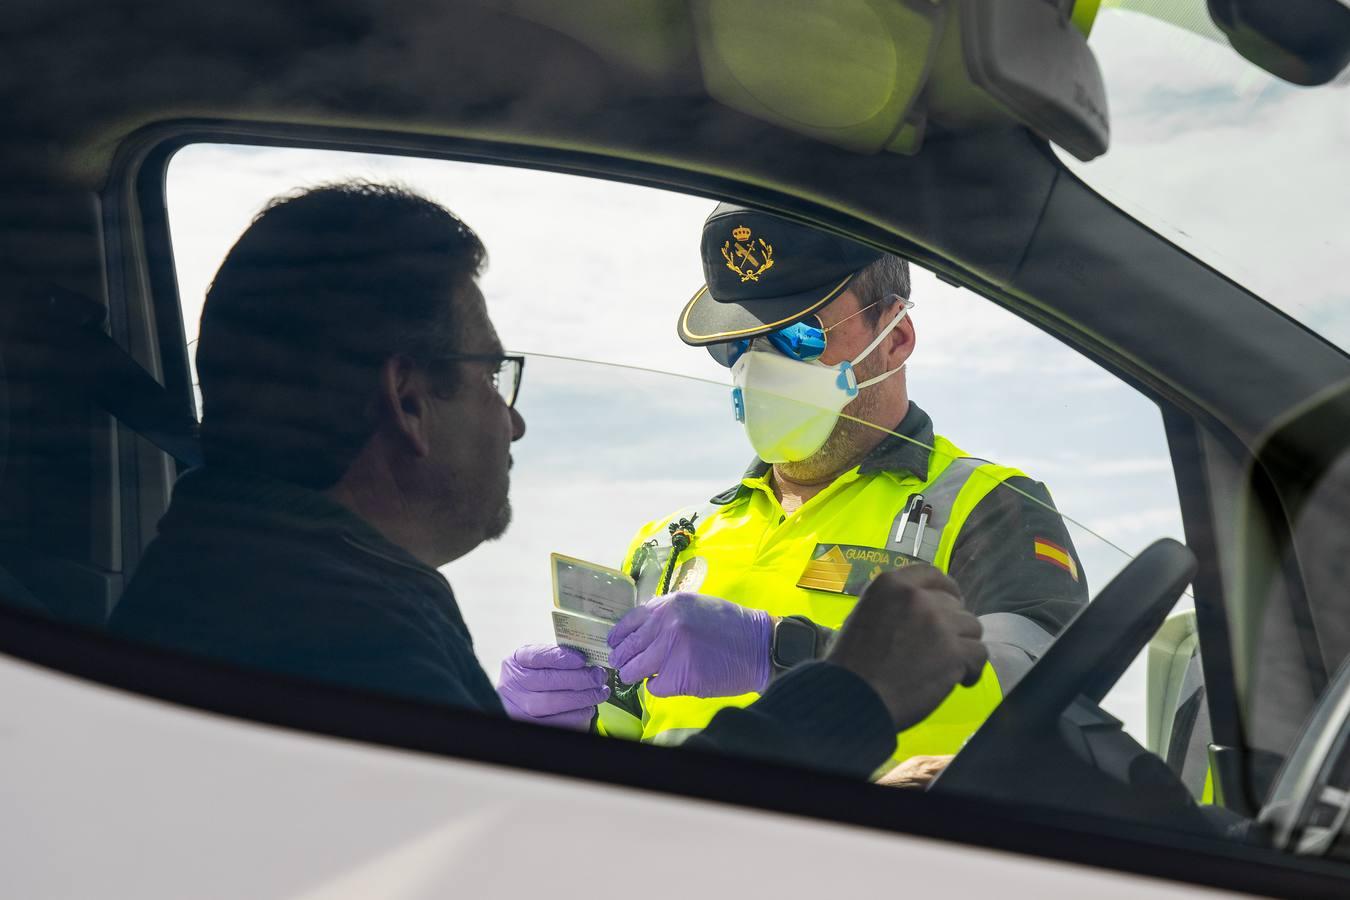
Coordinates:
(626,423)
(1247,172)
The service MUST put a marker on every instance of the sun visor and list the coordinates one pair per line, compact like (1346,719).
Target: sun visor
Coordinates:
(872,75)
(846,71)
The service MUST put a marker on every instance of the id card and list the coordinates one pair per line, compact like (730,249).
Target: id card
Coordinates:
(591,590)
(588,599)
(583,633)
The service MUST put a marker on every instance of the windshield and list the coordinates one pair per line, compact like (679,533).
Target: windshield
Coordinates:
(1232,164)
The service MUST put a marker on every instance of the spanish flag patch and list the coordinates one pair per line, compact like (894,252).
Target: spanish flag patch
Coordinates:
(1056,555)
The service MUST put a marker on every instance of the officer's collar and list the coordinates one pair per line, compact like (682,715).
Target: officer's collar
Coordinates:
(905,450)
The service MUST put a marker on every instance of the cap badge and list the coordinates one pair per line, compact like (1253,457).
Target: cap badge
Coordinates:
(747,258)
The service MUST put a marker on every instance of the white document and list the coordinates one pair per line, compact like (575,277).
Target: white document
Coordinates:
(588,600)
(583,633)
(590,589)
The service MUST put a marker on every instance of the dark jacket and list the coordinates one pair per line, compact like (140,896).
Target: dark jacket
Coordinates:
(270,575)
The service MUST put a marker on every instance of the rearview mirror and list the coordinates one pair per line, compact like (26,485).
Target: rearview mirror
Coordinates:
(1029,56)
(1303,41)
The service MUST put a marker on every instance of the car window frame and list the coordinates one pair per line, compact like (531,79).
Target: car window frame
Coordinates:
(168,139)
(143,293)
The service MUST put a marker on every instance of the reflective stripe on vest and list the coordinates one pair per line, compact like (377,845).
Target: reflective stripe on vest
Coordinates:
(673,737)
(754,554)
(1014,643)
(941,496)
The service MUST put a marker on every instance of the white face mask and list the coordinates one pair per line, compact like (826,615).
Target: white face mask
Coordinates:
(789,407)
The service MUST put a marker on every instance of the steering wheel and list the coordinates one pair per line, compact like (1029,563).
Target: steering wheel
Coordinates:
(1024,734)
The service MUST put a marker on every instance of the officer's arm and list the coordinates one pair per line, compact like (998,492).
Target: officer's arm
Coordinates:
(1019,572)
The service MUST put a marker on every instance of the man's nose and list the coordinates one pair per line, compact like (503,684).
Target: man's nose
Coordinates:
(517,424)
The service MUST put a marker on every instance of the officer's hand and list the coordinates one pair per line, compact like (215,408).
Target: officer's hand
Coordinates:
(695,645)
(915,773)
(551,686)
(911,640)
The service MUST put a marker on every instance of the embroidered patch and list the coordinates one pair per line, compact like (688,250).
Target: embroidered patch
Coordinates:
(847,568)
(690,575)
(747,257)
(1056,555)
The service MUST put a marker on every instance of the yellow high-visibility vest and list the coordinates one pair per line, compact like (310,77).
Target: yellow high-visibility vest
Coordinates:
(750,552)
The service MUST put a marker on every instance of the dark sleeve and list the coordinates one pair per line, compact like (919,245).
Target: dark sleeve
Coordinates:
(414,645)
(418,672)
(1014,555)
(331,632)
(819,716)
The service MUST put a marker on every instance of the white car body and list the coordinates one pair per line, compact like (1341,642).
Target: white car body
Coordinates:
(179,803)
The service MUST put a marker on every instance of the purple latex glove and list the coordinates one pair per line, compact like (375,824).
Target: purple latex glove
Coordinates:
(693,645)
(551,685)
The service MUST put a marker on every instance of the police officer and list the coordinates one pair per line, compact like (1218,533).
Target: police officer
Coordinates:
(849,480)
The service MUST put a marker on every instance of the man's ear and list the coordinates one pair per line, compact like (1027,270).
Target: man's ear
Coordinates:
(900,342)
(404,403)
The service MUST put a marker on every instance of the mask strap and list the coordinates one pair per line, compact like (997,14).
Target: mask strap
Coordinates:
(876,341)
(882,377)
(904,311)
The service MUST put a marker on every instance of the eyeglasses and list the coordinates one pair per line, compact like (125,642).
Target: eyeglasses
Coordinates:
(803,341)
(505,377)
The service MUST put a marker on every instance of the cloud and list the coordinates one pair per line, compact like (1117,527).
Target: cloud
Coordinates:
(575,264)
(1235,166)
(1150,522)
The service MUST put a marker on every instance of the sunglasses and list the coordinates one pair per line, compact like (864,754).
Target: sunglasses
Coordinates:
(803,341)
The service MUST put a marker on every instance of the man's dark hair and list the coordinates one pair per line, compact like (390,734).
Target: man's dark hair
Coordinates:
(888,275)
(324,286)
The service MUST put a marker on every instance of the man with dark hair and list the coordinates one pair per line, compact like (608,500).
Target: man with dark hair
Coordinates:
(358,417)
(294,328)
(849,480)
(355,439)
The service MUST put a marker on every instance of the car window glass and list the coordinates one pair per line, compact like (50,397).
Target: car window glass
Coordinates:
(584,271)
(597,270)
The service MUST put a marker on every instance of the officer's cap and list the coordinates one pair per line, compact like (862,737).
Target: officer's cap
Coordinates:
(764,272)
